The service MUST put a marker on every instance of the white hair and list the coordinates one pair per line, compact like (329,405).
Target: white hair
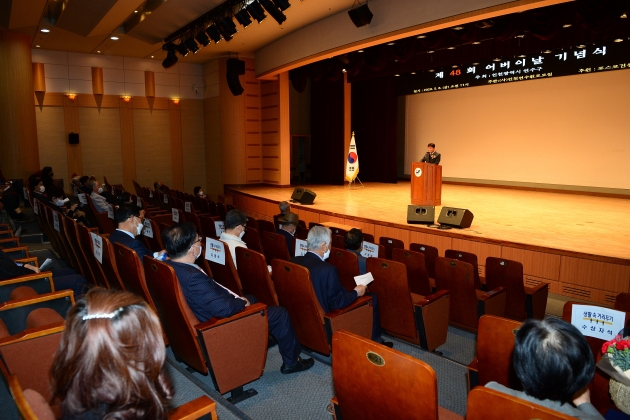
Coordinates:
(284,207)
(317,235)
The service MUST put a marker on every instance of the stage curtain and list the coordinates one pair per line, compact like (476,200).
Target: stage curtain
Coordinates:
(374,122)
(327,154)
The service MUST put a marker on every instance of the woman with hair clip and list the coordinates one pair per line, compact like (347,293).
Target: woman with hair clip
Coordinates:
(110,363)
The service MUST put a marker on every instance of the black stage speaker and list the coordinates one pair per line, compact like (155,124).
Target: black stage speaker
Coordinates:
(235,67)
(303,196)
(420,214)
(361,16)
(73,138)
(460,218)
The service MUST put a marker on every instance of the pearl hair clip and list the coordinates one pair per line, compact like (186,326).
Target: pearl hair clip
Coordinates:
(99,316)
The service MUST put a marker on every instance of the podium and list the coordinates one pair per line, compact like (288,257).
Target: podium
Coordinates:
(426,184)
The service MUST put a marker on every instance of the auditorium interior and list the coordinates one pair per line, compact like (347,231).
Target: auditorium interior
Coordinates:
(263,101)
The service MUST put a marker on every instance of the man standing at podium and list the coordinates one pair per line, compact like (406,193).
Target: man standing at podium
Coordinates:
(431,156)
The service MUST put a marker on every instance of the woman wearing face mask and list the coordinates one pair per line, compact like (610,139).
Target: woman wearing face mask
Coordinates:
(59,204)
(199,192)
(130,219)
(38,189)
(235,227)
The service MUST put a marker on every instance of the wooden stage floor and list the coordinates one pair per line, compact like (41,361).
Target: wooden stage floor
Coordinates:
(568,224)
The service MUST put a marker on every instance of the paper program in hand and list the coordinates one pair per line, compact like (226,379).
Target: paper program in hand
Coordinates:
(364,279)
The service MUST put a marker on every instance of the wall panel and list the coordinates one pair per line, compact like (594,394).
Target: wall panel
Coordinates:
(595,274)
(535,263)
(153,146)
(100,140)
(52,139)
(193,144)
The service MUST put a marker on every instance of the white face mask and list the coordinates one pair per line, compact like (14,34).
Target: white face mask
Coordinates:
(42,189)
(241,235)
(139,229)
(100,190)
(60,203)
(327,254)
(197,255)
(201,193)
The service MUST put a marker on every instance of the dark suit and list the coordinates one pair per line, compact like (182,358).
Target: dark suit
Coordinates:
(290,241)
(120,237)
(362,261)
(432,158)
(207,299)
(330,293)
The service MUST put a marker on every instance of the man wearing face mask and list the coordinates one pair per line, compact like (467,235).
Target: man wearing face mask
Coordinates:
(38,189)
(288,226)
(208,299)
(99,201)
(325,278)
(130,218)
(235,226)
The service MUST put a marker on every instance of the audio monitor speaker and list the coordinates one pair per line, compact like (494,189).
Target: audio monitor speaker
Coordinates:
(361,16)
(235,68)
(420,214)
(460,218)
(303,196)
(73,138)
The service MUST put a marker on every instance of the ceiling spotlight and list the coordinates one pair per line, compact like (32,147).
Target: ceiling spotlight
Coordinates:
(451,48)
(44,30)
(343,70)
(273,11)
(282,4)
(397,75)
(421,36)
(522,56)
(256,11)
(475,64)
(361,15)
(171,57)
(242,16)
(36,46)
(454,66)
(520,36)
(360,51)
(430,52)
(496,59)
(98,52)
(413,72)
(213,33)
(228,25)
(581,46)
(152,56)
(619,40)
(566,25)
(390,43)
(182,49)
(135,11)
(476,43)
(624,16)
(458,28)
(202,38)
(547,51)
(431,71)
(113,38)
(191,45)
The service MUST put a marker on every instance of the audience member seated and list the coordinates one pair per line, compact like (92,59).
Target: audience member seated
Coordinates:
(288,226)
(63,278)
(198,192)
(325,277)
(354,243)
(84,184)
(59,204)
(235,227)
(10,200)
(554,363)
(208,299)
(130,220)
(158,186)
(99,201)
(38,189)
(110,363)
(285,207)
(125,197)
(49,182)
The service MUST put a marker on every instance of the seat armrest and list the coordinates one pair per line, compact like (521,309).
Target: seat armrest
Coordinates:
(31,333)
(534,289)
(492,293)
(105,235)
(94,229)
(5,226)
(15,249)
(29,260)
(195,409)
(249,310)
(40,298)
(29,277)
(362,300)
(432,298)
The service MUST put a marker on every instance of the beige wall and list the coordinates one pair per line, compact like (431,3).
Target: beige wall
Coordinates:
(100,143)
(564,131)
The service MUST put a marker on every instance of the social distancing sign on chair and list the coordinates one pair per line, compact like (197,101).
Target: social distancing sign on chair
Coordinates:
(300,247)
(598,322)
(369,250)
(97,244)
(215,251)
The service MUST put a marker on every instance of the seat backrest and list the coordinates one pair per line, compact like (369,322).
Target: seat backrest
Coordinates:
(391,286)
(509,274)
(368,237)
(226,274)
(252,223)
(192,217)
(417,274)
(72,232)
(252,239)
(468,257)
(221,210)
(338,242)
(338,231)
(109,266)
(275,246)
(457,277)
(18,315)
(131,273)
(390,244)
(430,253)
(295,292)
(347,264)
(301,233)
(153,243)
(68,243)
(208,228)
(88,253)
(265,226)
(39,283)
(105,224)
(622,302)
(61,245)
(175,315)
(495,344)
(212,208)
(374,382)
(255,277)
(489,404)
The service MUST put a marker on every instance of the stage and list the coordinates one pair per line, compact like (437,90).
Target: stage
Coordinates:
(577,243)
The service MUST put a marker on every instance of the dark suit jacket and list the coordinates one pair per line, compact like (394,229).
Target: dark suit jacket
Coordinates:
(325,278)
(290,241)
(435,159)
(362,261)
(204,296)
(120,237)
(10,269)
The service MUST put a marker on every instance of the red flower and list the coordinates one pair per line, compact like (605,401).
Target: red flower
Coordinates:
(622,345)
